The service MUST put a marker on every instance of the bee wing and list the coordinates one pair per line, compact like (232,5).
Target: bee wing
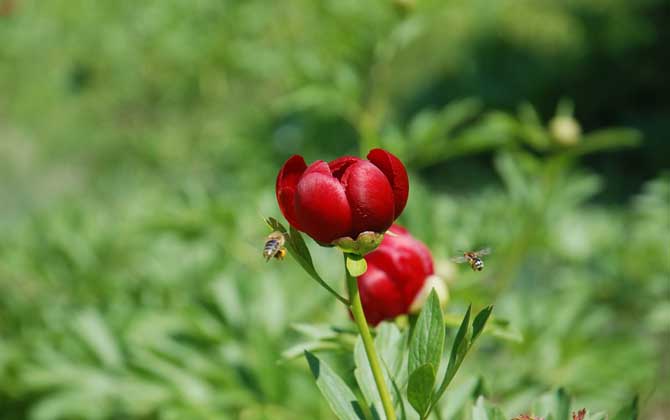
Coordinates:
(484,251)
(458,259)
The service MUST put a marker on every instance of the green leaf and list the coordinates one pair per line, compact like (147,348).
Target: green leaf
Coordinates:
(563,402)
(420,388)
(391,344)
(93,330)
(480,321)
(629,412)
(340,398)
(427,341)
(606,139)
(365,378)
(300,252)
(356,265)
(483,410)
(458,351)
(496,327)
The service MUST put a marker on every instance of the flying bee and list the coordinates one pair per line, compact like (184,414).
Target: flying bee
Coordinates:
(274,246)
(473,258)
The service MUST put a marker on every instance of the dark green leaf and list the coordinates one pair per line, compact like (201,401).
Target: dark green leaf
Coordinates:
(479,322)
(340,398)
(420,388)
(427,341)
(563,402)
(458,351)
(629,412)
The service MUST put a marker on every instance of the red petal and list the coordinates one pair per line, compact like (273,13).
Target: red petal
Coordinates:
(396,173)
(339,165)
(285,187)
(321,205)
(407,261)
(370,197)
(403,239)
(379,296)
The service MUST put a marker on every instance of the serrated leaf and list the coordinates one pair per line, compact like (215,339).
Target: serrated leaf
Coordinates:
(420,388)
(356,265)
(340,398)
(427,341)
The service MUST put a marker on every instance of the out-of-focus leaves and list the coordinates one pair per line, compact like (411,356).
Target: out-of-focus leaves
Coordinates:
(482,410)
(606,139)
(628,412)
(91,327)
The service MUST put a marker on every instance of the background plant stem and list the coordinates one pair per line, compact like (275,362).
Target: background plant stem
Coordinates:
(362,324)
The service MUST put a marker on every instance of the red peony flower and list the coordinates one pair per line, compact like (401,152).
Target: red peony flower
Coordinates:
(342,198)
(397,272)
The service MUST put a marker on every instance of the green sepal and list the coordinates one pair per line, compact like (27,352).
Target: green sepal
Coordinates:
(365,243)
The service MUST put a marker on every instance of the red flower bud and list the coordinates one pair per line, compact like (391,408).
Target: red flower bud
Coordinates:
(342,198)
(396,273)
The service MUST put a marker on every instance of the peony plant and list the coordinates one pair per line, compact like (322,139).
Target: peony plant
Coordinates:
(352,203)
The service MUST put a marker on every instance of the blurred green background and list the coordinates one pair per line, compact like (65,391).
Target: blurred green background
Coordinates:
(139,144)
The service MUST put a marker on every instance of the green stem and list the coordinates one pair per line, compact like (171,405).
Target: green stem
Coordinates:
(362,324)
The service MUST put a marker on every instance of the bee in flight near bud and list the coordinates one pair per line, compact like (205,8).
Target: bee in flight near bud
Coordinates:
(473,258)
(274,246)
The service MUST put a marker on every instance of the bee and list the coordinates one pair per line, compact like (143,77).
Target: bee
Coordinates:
(473,258)
(274,246)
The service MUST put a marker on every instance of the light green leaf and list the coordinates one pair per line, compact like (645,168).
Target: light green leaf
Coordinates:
(427,341)
(366,380)
(606,139)
(356,265)
(496,327)
(93,330)
(420,388)
(390,342)
(483,410)
(340,398)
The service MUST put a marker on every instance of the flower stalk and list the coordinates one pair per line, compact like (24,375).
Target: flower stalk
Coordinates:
(356,308)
